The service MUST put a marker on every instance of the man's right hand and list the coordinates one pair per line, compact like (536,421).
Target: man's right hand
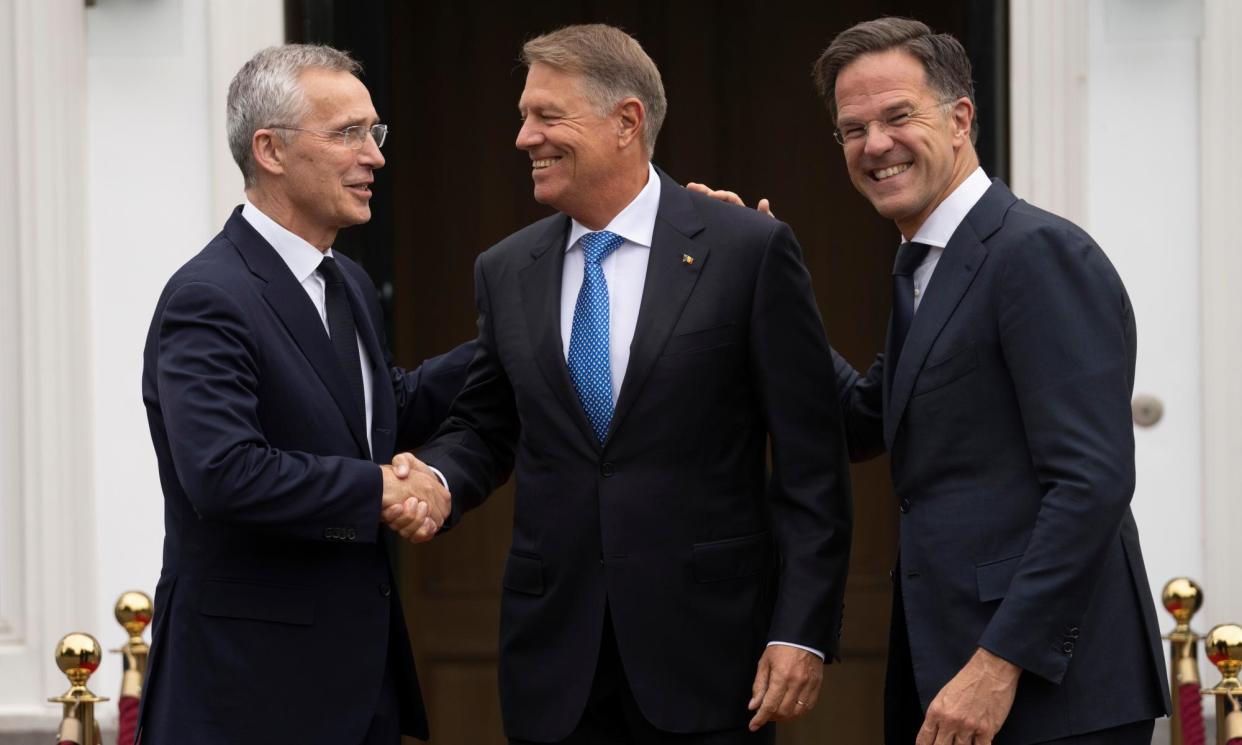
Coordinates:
(728,196)
(414,504)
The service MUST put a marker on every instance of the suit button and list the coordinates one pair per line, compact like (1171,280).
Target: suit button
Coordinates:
(1068,647)
(607,470)
(1073,632)
(351,534)
(329,533)
(384,589)
(904,506)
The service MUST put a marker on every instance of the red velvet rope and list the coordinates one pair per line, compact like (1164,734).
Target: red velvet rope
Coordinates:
(1190,706)
(129,720)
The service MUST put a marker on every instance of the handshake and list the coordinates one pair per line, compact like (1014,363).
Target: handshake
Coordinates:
(415,503)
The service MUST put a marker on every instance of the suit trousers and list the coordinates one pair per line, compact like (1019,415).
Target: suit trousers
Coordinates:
(903,713)
(612,716)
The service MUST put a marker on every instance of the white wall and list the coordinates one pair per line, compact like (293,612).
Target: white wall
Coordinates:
(1143,208)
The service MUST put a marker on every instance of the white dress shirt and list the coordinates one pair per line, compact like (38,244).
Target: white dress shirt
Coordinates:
(942,223)
(625,271)
(303,260)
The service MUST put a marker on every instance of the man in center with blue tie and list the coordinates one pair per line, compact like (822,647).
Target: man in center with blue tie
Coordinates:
(638,352)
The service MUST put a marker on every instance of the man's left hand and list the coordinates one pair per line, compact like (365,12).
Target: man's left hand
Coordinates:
(786,685)
(974,704)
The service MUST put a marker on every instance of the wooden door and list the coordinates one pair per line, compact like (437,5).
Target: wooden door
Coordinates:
(743,115)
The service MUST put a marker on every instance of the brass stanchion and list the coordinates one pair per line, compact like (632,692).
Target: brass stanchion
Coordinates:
(77,656)
(133,611)
(1182,597)
(1223,646)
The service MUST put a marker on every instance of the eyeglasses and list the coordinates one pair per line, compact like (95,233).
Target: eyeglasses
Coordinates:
(354,137)
(855,133)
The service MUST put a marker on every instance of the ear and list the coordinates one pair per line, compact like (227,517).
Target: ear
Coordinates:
(268,151)
(962,114)
(630,116)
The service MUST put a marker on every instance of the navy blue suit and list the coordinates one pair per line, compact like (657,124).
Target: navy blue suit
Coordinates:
(673,525)
(275,613)
(1008,423)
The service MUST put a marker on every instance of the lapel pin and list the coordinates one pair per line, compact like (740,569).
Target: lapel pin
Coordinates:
(687,259)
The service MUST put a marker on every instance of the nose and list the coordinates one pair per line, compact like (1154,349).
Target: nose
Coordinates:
(877,140)
(529,135)
(370,154)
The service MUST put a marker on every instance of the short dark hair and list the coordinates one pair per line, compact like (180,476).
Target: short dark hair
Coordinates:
(943,58)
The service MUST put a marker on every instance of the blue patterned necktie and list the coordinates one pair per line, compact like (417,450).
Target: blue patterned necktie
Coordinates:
(588,359)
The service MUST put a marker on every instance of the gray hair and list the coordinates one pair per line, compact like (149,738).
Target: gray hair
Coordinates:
(265,92)
(944,59)
(613,66)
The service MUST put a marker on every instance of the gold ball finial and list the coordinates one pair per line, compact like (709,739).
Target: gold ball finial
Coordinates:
(1223,647)
(134,611)
(1182,597)
(77,656)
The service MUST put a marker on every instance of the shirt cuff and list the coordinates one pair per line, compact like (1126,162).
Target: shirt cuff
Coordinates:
(440,476)
(812,650)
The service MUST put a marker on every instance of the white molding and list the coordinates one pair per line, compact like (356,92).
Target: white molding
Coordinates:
(48,78)
(1220,162)
(1049,55)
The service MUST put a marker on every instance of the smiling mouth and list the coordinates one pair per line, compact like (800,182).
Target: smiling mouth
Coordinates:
(886,173)
(542,163)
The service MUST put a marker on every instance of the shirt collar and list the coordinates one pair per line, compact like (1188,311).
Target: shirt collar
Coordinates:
(943,221)
(636,222)
(301,257)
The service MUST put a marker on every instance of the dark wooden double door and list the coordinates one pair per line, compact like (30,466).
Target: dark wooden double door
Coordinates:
(742,114)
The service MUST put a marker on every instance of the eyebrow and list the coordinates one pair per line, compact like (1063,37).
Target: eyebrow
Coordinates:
(885,113)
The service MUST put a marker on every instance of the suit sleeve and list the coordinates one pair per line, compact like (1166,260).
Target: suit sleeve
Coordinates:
(208,382)
(862,407)
(474,449)
(809,490)
(1067,336)
(425,394)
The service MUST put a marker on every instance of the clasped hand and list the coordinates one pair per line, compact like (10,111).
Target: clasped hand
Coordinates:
(415,504)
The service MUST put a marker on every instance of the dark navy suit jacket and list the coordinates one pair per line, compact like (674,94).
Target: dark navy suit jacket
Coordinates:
(673,523)
(1008,423)
(275,613)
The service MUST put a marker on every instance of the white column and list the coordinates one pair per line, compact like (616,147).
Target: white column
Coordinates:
(1220,194)
(1048,58)
(47,578)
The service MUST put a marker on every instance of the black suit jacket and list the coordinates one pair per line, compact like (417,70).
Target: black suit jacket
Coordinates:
(274,614)
(1007,419)
(673,524)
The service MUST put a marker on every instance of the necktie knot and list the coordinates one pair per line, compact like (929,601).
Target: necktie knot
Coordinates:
(909,256)
(597,246)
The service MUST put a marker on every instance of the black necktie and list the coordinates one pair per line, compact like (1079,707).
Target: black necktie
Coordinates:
(343,331)
(909,256)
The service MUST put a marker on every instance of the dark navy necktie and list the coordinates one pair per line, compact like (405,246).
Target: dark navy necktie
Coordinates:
(909,256)
(588,359)
(343,331)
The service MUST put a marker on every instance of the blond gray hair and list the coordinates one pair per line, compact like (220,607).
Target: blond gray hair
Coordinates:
(265,92)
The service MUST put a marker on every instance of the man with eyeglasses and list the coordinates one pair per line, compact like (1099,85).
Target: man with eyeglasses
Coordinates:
(272,401)
(1021,608)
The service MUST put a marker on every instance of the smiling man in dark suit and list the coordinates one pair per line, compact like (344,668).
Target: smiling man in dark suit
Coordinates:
(272,398)
(1021,608)
(638,352)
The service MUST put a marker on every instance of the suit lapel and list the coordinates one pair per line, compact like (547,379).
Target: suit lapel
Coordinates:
(956,270)
(540,283)
(667,286)
(296,311)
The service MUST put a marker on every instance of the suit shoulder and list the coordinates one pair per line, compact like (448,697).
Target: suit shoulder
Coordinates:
(743,223)
(522,241)
(218,264)
(1035,240)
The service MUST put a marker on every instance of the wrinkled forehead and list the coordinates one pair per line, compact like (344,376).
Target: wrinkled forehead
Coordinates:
(879,81)
(336,98)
